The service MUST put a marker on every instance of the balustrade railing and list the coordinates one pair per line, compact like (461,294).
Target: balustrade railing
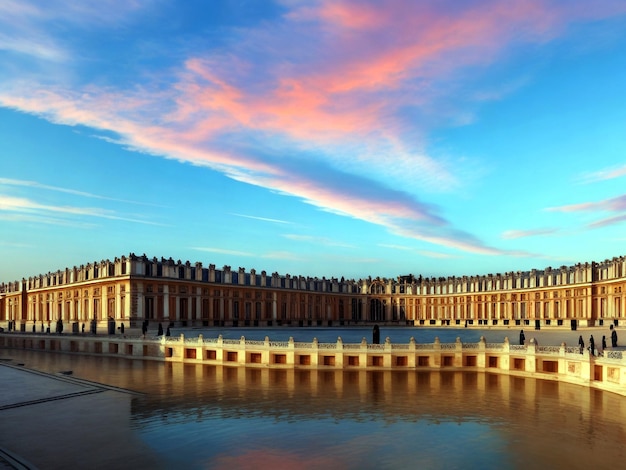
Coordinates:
(549,349)
(613,355)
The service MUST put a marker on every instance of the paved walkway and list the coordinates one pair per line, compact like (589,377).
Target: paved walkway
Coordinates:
(52,421)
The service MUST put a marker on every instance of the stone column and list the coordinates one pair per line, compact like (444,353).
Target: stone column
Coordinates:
(198,303)
(128,301)
(119,313)
(166,302)
(387,310)
(177,307)
(365,314)
(274,308)
(104,303)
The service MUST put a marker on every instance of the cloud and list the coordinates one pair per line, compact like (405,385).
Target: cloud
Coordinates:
(39,219)
(515,234)
(316,240)
(264,219)
(319,104)
(604,175)
(28,206)
(437,255)
(221,251)
(24,32)
(34,184)
(283,255)
(426,253)
(616,204)
(396,247)
(618,219)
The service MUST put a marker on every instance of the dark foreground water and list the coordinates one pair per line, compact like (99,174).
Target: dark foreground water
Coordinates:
(214,417)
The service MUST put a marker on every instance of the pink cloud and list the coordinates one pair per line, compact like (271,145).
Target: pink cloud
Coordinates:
(515,234)
(616,204)
(604,175)
(335,94)
(608,221)
(338,98)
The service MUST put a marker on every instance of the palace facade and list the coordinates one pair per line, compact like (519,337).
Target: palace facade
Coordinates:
(131,289)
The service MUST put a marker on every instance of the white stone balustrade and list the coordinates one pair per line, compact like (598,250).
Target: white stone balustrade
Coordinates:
(562,363)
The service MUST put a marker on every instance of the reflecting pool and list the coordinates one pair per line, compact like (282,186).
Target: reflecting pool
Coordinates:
(201,416)
(396,334)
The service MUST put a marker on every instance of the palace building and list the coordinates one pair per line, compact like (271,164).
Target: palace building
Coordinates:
(131,289)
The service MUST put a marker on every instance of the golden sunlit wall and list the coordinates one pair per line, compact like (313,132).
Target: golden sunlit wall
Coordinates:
(133,288)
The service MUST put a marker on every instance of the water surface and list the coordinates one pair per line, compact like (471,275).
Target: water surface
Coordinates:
(201,416)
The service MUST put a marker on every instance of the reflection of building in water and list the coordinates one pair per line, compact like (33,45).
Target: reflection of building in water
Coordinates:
(133,288)
(363,395)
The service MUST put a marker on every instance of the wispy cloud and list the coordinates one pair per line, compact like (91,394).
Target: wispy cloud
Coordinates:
(264,219)
(616,204)
(319,104)
(426,253)
(611,205)
(24,32)
(604,175)
(396,247)
(221,251)
(283,255)
(316,240)
(34,184)
(514,234)
(618,219)
(45,220)
(28,206)
(437,255)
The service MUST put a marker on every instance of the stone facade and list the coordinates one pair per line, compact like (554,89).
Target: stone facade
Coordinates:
(132,288)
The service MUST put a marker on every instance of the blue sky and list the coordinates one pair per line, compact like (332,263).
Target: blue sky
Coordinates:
(321,138)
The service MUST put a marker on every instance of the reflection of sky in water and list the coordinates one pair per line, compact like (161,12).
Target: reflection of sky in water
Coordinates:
(396,334)
(348,335)
(220,442)
(229,417)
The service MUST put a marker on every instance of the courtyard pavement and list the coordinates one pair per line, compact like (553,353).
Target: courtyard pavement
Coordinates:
(54,421)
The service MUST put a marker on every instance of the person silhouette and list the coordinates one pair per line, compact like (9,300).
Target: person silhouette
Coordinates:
(613,337)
